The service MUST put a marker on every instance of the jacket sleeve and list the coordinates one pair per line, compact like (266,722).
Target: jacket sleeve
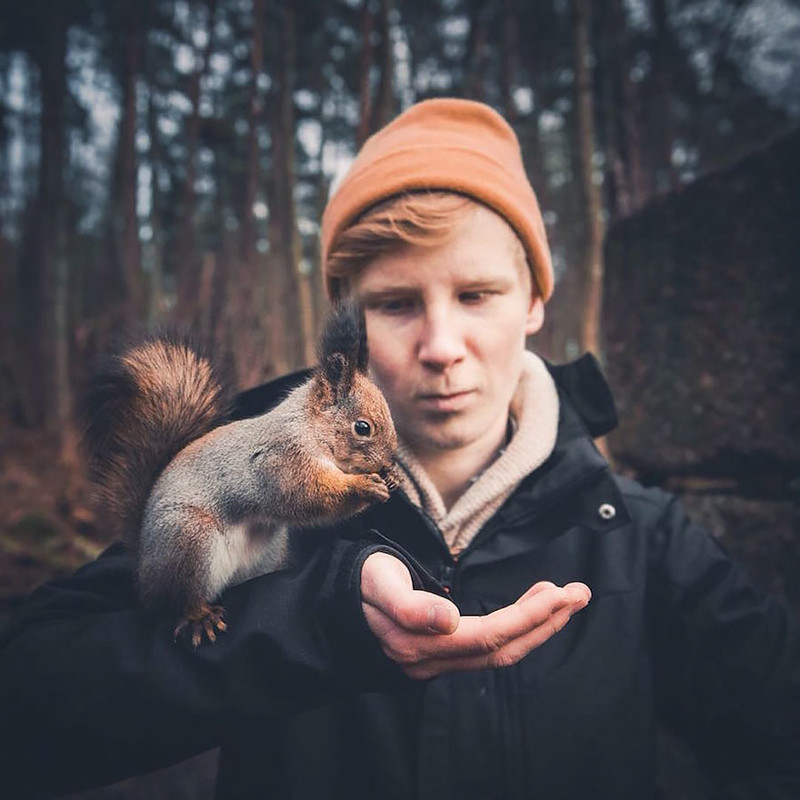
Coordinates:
(93,689)
(727,663)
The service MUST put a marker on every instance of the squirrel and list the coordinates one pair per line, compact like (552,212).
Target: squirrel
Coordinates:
(204,503)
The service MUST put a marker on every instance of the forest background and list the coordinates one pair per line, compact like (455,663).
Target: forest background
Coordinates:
(168,161)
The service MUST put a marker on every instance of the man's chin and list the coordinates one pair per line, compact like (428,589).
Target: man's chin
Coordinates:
(437,437)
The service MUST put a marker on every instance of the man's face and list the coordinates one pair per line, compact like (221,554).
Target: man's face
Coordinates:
(446,327)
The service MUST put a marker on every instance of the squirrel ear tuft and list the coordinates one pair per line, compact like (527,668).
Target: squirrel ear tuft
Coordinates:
(336,373)
(345,333)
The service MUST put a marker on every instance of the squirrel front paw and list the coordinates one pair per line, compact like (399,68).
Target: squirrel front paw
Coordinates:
(392,476)
(203,622)
(371,487)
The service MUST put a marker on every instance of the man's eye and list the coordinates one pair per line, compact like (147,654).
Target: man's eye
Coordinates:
(474,297)
(394,306)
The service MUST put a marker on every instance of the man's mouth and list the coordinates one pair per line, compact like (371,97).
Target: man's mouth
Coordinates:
(446,401)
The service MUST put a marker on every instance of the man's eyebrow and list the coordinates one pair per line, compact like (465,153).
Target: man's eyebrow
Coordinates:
(478,283)
(485,280)
(385,291)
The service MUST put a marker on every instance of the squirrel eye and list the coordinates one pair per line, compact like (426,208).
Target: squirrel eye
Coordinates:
(362,427)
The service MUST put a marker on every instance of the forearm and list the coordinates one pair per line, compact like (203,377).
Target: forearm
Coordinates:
(727,663)
(93,689)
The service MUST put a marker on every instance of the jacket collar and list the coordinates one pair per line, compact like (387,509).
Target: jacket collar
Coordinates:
(261,399)
(583,383)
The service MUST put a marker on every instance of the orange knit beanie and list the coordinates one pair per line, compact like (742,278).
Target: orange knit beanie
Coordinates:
(444,144)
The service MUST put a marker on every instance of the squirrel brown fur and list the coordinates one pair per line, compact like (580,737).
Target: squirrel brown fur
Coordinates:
(204,503)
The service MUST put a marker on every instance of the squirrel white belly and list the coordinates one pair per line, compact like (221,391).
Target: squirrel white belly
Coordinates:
(204,504)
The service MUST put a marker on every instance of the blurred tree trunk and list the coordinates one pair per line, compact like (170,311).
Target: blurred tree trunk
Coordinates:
(384,108)
(227,244)
(611,66)
(256,331)
(319,292)
(8,279)
(542,151)
(155,286)
(284,237)
(475,56)
(51,266)
(56,266)
(639,180)
(189,266)
(510,62)
(366,60)
(129,247)
(662,128)
(593,253)
(375,112)
(247,242)
(219,321)
(44,324)
(535,59)
(319,299)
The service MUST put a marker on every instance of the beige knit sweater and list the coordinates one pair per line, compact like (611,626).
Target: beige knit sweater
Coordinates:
(533,415)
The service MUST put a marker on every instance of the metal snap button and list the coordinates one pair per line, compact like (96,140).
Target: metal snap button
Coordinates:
(607,511)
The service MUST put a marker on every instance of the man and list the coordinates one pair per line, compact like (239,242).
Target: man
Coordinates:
(507,509)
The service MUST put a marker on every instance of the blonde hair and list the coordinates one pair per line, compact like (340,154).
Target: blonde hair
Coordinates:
(421,218)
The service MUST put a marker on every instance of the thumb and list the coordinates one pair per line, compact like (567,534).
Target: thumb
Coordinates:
(386,585)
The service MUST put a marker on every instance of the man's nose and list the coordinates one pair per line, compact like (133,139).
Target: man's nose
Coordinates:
(442,342)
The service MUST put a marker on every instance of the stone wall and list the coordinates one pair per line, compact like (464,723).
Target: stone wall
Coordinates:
(702,349)
(702,300)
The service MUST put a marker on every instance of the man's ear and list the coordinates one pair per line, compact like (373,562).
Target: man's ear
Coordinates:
(535,316)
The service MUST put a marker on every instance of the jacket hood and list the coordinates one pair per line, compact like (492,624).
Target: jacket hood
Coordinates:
(583,382)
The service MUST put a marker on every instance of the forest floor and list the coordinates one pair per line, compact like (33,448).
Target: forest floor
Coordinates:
(47,526)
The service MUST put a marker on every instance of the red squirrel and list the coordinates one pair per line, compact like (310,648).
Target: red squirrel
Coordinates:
(204,504)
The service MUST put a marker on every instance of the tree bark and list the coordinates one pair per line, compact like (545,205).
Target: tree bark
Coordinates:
(284,236)
(476,51)
(247,244)
(593,255)
(510,60)
(155,287)
(49,395)
(384,108)
(662,128)
(255,321)
(129,248)
(613,65)
(189,257)
(319,299)
(639,179)
(366,61)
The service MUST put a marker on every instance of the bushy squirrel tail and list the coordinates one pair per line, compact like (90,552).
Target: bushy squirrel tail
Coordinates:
(146,402)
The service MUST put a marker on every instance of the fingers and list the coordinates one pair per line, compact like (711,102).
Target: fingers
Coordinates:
(508,654)
(425,634)
(532,616)
(386,588)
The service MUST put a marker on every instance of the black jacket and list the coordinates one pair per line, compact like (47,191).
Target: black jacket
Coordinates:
(305,706)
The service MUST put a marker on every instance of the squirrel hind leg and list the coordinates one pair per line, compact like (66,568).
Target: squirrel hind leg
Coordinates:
(183,567)
(202,621)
